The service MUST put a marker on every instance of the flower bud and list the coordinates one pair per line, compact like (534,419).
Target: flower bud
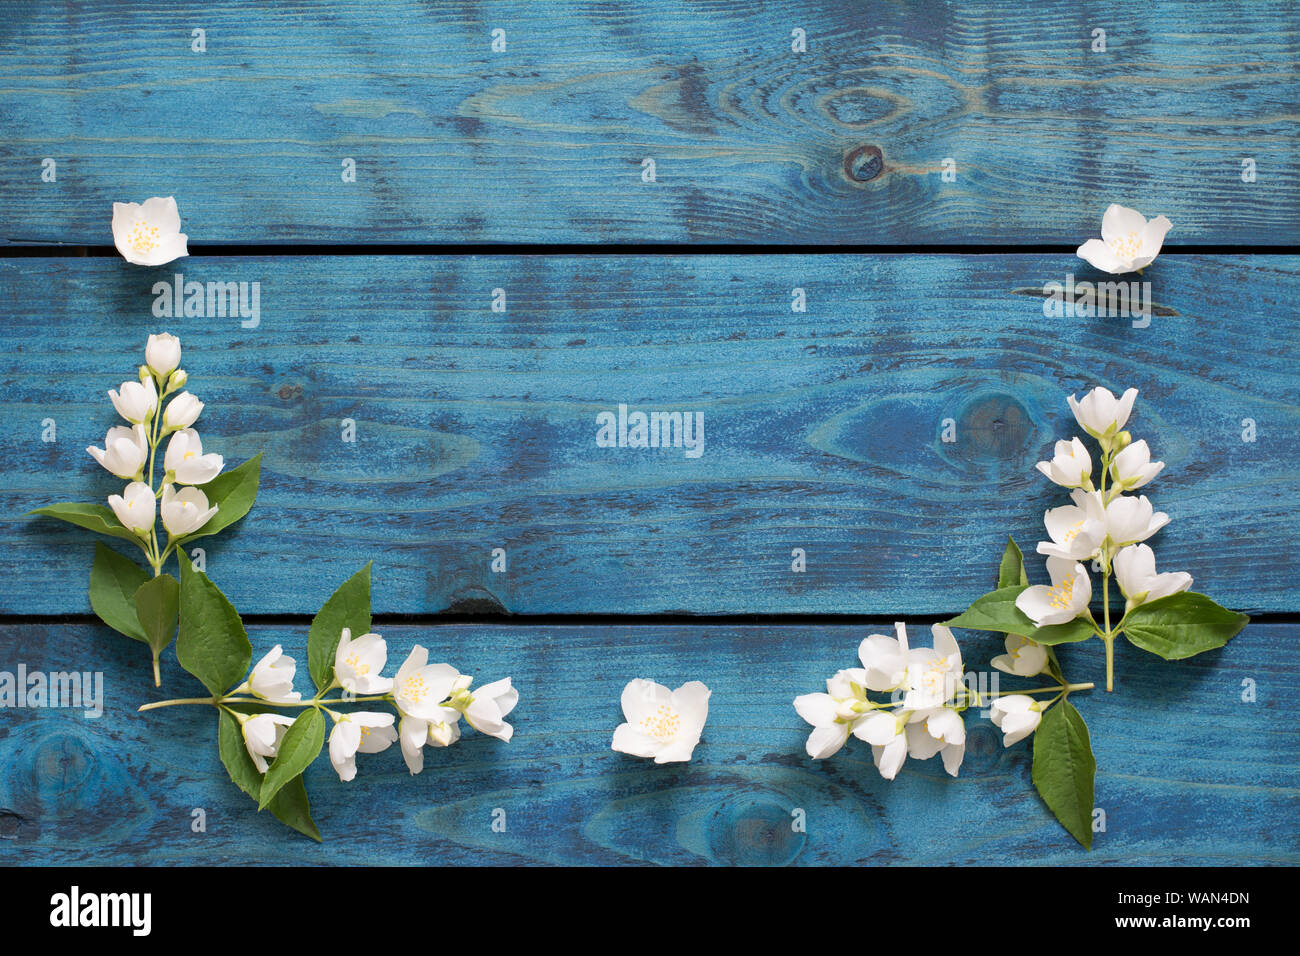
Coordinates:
(177,380)
(1122,441)
(163,354)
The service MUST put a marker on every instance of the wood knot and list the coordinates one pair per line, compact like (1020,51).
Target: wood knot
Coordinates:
(995,428)
(749,831)
(864,163)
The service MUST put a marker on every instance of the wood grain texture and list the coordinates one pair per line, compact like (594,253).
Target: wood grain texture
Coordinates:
(1187,772)
(824,430)
(752,142)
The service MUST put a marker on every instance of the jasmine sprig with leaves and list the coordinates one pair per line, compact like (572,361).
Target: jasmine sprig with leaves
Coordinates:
(929,695)
(268,734)
(1107,527)
(125,596)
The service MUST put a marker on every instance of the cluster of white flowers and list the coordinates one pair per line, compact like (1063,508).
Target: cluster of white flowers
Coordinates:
(1104,524)
(129,451)
(430,700)
(922,718)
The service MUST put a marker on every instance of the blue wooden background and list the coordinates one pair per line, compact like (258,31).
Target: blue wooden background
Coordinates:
(475,429)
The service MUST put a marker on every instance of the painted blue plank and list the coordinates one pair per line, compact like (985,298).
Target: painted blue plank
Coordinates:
(1188,773)
(824,430)
(753,142)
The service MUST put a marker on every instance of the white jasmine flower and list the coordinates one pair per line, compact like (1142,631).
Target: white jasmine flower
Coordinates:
(135,401)
(262,736)
(185,511)
(134,507)
(662,724)
(1024,658)
(125,451)
(1133,467)
(886,732)
(1078,530)
(835,714)
(1071,465)
(942,732)
(1066,599)
(1101,414)
(272,678)
(149,233)
(885,659)
(933,674)
(1130,520)
(182,412)
(359,664)
(185,462)
(486,708)
(1128,242)
(358,732)
(1135,570)
(162,354)
(419,692)
(1017,716)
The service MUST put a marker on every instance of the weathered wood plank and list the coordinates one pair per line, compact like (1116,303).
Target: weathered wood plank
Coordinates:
(753,142)
(1187,772)
(824,430)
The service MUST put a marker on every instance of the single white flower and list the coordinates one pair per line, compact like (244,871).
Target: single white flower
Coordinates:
(1133,467)
(1071,465)
(125,451)
(419,692)
(1024,658)
(135,507)
(1128,242)
(835,714)
(185,462)
(135,401)
(887,734)
(486,708)
(149,233)
(262,736)
(662,724)
(185,511)
(1066,599)
(934,674)
(1078,530)
(1017,716)
(1135,570)
(272,678)
(162,354)
(942,732)
(181,412)
(1101,414)
(359,664)
(885,659)
(1130,520)
(361,731)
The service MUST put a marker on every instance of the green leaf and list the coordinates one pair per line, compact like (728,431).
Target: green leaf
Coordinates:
(291,808)
(1012,570)
(97,518)
(235,756)
(1182,625)
(157,605)
(233,492)
(114,579)
(301,745)
(212,644)
(1080,629)
(348,607)
(1064,769)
